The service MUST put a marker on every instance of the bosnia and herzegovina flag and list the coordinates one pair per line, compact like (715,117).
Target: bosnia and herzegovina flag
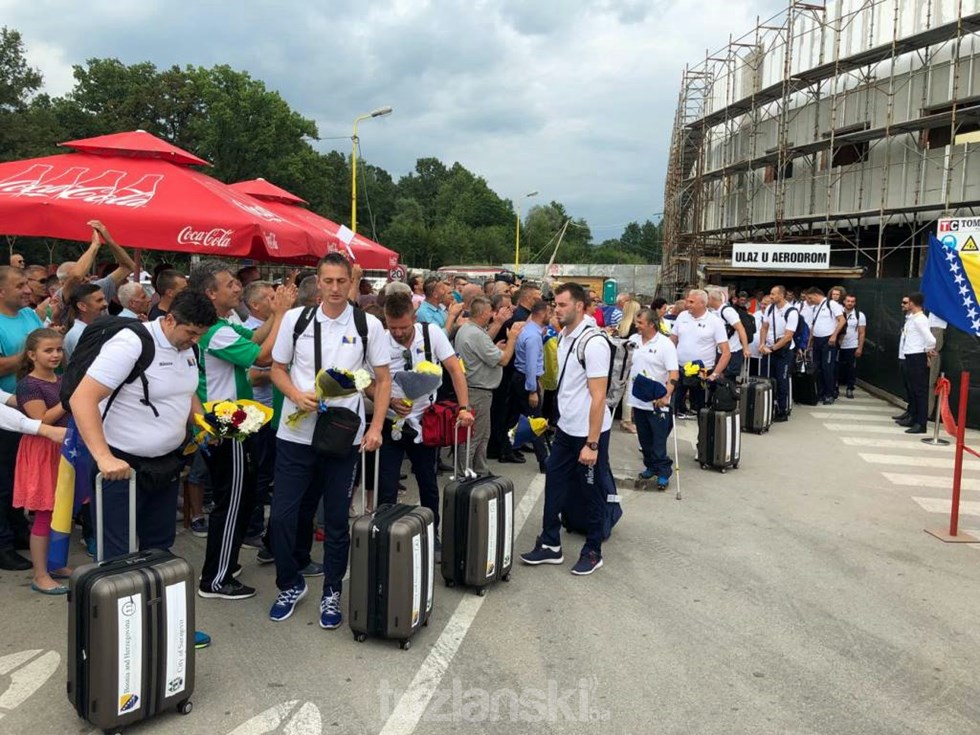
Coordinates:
(72,490)
(951,282)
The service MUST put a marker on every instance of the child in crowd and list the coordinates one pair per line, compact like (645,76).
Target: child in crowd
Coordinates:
(36,476)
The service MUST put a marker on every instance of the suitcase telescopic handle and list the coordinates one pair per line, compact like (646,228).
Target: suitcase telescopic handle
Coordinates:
(468,469)
(99,517)
(377,466)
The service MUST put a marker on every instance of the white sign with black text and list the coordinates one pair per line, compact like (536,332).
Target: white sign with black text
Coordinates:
(781,256)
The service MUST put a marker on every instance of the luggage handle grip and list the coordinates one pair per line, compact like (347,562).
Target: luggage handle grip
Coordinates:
(99,520)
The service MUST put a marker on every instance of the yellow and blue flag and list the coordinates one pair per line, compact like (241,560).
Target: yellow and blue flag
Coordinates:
(73,489)
(951,282)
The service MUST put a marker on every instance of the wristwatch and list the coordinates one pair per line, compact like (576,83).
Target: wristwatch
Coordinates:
(594,446)
(464,408)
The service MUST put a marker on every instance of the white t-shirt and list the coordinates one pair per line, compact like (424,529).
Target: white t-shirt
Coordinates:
(729,316)
(655,359)
(340,348)
(781,321)
(917,338)
(172,376)
(754,344)
(699,339)
(574,401)
(72,336)
(855,319)
(822,318)
(441,350)
(13,420)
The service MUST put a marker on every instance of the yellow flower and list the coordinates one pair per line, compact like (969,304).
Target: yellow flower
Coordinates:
(428,368)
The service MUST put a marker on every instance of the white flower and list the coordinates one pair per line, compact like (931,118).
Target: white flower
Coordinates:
(362,379)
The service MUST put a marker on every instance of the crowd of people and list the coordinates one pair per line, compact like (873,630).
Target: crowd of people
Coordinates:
(506,354)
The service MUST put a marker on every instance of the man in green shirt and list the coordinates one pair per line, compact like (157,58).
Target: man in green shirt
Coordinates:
(226,353)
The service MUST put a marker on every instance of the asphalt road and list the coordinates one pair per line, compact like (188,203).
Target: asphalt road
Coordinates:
(798,594)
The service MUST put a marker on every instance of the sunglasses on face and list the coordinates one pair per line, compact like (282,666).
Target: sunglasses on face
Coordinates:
(407,354)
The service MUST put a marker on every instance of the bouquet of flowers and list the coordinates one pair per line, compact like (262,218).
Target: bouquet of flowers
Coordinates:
(693,372)
(423,380)
(333,382)
(527,430)
(231,420)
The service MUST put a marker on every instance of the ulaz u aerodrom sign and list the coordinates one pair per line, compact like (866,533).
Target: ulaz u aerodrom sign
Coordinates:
(778,256)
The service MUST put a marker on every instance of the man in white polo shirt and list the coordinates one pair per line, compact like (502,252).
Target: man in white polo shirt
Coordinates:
(826,320)
(654,356)
(776,339)
(134,436)
(738,339)
(851,344)
(700,335)
(918,346)
(332,335)
(579,460)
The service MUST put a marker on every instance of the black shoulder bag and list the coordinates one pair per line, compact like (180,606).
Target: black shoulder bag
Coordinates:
(337,426)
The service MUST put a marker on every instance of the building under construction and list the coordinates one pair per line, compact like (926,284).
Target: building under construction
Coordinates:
(853,123)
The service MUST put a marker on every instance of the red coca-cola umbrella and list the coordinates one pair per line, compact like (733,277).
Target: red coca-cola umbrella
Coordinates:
(329,236)
(148,198)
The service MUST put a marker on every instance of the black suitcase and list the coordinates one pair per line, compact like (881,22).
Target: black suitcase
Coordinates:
(477,528)
(806,388)
(719,439)
(130,632)
(757,401)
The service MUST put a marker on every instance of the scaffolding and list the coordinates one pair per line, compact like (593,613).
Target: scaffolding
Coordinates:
(854,123)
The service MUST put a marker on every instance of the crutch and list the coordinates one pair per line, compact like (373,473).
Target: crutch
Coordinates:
(677,462)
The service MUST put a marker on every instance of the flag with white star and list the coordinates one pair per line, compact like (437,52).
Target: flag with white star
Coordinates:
(73,489)
(951,284)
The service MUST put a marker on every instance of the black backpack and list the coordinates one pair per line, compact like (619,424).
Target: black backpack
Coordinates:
(744,316)
(88,348)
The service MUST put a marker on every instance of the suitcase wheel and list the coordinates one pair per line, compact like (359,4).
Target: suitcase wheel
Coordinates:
(482,591)
(723,470)
(506,577)
(185,706)
(735,466)
(112,732)
(704,466)
(360,637)
(450,583)
(405,645)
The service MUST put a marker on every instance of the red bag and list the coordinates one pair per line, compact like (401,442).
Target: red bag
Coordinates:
(439,425)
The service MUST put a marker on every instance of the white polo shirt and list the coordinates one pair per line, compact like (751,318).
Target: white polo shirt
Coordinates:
(172,376)
(729,316)
(340,347)
(855,319)
(655,359)
(699,339)
(441,350)
(822,318)
(780,321)
(754,344)
(574,401)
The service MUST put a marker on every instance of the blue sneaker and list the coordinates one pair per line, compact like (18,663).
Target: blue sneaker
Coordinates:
(587,563)
(286,601)
(199,527)
(91,547)
(330,615)
(662,483)
(647,475)
(201,639)
(542,554)
(312,570)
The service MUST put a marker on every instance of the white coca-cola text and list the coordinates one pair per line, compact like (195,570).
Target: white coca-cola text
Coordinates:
(215,238)
(79,183)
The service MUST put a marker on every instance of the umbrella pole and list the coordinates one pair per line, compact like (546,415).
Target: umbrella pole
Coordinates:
(138,259)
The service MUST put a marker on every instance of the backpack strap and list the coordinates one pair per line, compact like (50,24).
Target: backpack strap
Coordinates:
(147,352)
(302,322)
(361,325)
(427,344)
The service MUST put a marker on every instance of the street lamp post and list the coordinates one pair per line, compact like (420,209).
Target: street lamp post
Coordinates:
(380,112)
(517,236)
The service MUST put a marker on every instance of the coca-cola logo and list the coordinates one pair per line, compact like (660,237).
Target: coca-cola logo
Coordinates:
(256,210)
(271,242)
(214,238)
(110,187)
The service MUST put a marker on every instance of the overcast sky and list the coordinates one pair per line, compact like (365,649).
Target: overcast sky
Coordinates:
(574,98)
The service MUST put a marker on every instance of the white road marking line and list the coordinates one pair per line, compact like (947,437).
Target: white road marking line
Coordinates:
(27,680)
(942,505)
(845,407)
(943,483)
(912,444)
(901,460)
(306,721)
(852,416)
(412,704)
(866,429)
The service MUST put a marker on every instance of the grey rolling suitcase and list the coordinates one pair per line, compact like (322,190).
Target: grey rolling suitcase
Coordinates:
(719,439)
(392,571)
(477,529)
(130,632)
(756,403)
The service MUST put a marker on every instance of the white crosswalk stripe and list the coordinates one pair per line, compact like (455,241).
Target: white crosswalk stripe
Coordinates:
(912,444)
(942,505)
(934,462)
(944,482)
(866,429)
(883,417)
(877,407)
